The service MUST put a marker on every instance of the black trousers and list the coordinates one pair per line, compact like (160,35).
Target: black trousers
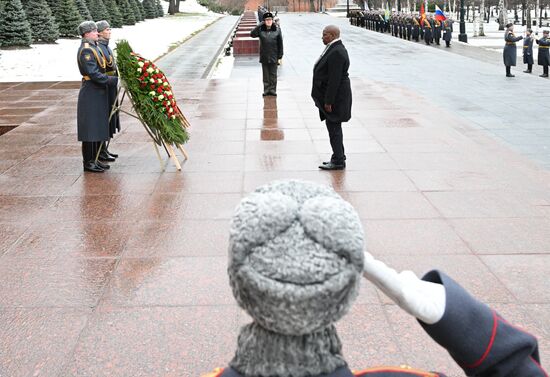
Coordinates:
(269,73)
(90,150)
(336,142)
(529,67)
(448,43)
(545,69)
(508,70)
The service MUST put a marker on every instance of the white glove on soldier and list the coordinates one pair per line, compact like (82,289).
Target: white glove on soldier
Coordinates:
(422,299)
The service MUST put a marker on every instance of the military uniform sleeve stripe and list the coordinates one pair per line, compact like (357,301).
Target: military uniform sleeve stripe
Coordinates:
(489,346)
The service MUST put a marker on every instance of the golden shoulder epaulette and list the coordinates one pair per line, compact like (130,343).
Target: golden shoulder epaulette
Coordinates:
(216,373)
(100,60)
(402,369)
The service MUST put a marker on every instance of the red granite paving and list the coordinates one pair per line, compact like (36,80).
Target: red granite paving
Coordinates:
(124,273)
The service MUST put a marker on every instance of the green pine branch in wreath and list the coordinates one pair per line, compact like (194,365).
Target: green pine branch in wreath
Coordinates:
(152,95)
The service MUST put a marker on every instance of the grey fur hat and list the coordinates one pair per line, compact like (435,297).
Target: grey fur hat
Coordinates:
(86,27)
(102,25)
(295,256)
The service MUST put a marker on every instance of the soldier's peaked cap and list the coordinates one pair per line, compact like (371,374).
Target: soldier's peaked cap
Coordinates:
(102,25)
(268,15)
(86,27)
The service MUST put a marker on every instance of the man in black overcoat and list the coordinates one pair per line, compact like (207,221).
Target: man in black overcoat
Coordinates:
(93,101)
(331,92)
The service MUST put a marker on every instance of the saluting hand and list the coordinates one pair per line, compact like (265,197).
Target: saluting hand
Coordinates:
(328,108)
(422,299)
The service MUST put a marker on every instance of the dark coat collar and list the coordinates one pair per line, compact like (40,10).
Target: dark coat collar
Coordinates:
(273,27)
(332,47)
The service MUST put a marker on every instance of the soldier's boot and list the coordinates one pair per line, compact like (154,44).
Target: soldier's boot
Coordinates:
(92,167)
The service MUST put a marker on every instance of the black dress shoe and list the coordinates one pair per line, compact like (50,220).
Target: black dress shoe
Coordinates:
(332,166)
(544,75)
(114,155)
(104,156)
(527,71)
(102,165)
(328,162)
(92,167)
(510,75)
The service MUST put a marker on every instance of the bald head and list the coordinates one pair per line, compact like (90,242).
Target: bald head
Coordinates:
(330,33)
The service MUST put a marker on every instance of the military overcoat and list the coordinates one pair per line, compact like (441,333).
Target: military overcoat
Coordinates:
(543,55)
(510,51)
(528,50)
(93,99)
(448,31)
(111,70)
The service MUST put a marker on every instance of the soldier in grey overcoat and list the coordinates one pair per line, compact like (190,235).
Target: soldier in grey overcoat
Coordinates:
(528,51)
(437,31)
(428,36)
(510,51)
(93,101)
(544,56)
(448,32)
(104,30)
(271,51)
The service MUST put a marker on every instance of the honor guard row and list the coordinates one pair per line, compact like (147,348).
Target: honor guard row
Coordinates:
(98,93)
(509,53)
(405,25)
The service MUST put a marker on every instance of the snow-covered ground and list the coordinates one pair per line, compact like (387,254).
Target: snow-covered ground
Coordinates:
(150,38)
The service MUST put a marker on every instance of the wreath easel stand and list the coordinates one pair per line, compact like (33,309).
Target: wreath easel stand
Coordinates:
(153,133)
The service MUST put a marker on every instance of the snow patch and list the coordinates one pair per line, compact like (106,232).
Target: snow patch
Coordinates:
(150,38)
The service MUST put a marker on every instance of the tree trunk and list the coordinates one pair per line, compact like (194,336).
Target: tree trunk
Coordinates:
(177,6)
(172,7)
(312,6)
(482,9)
(539,9)
(502,18)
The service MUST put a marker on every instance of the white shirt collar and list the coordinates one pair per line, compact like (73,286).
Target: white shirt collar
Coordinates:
(331,43)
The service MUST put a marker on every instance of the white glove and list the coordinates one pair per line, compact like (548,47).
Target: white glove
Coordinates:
(422,299)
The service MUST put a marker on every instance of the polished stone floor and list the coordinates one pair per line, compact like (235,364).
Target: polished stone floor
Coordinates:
(124,273)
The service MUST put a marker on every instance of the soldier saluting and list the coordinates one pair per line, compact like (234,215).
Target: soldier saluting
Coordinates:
(544,55)
(104,31)
(93,102)
(509,53)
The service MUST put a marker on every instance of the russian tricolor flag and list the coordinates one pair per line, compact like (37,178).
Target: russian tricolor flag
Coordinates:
(439,15)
